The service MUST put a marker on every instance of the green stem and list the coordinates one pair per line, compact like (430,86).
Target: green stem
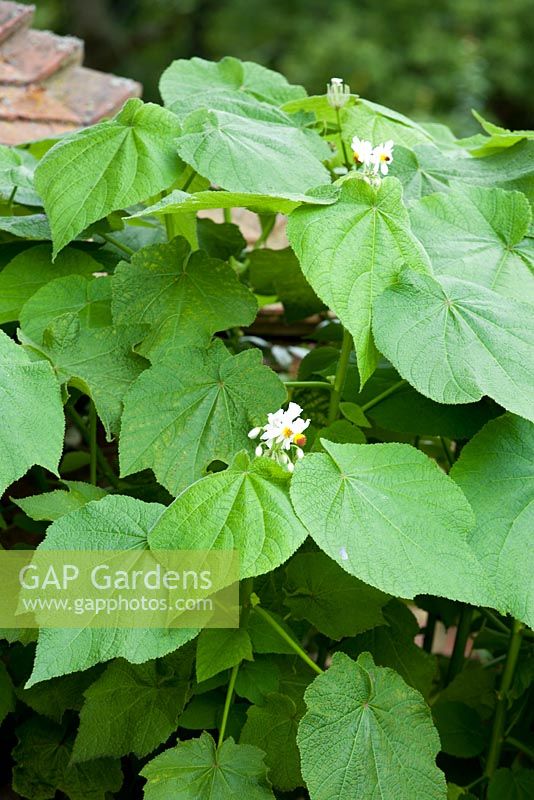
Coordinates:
(495,621)
(462,634)
(93,445)
(228,703)
(119,245)
(309,385)
(382,396)
(265,232)
(12,199)
(227,214)
(528,751)
(189,181)
(285,636)
(101,459)
(494,662)
(341,374)
(447,452)
(497,733)
(343,147)
(430,629)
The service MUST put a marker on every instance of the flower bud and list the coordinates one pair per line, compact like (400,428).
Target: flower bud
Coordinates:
(337,92)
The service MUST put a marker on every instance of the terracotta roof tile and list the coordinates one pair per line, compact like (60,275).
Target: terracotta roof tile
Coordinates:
(43,89)
(14,16)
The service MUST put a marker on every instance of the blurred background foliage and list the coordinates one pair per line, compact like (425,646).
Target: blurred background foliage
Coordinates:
(426,58)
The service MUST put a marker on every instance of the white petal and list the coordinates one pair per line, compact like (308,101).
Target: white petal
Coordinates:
(259,450)
(254,432)
(293,411)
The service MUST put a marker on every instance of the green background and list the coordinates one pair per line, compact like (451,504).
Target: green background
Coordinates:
(427,58)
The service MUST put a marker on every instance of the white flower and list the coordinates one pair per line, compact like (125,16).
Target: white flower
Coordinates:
(283,436)
(283,426)
(337,92)
(382,156)
(363,151)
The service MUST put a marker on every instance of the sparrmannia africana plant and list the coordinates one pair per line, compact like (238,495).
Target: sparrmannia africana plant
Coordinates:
(126,312)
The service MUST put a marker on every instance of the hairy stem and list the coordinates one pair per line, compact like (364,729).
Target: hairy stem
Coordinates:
(119,245)
(266,231)
(382,396)
(309,385)
(93,445)
(430,629)
(528,751)
(228,703)
(462,634)
(341,374)
(447,452)
(343,146)
(285,636)
(100,458)
(497,732)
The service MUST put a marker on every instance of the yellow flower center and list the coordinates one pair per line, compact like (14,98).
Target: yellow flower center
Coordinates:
(385,157)
(287,432)
(300,439)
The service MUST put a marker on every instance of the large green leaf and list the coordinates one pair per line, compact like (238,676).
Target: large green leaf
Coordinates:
(106,167)
(478,234)
(184,297)
(368,734)
(33,268)
(388,515)
(250,154)
(17,167)
(184,413)
(132,708)
(42,765)
(350,252)
(392,645)
(197,83)
(272,727)
(198,770)
(502,455)
(32,226)
(498,138)
(246,507)
(177,202)
(378,123)
(219,649)
(278,272)
(338,604)
(456,341)
(33,423)
(69,321)
(114,523)
(53,698)
(407,411)
(461,730)
(256,679)
(426,169)
(512,784)
(55,504)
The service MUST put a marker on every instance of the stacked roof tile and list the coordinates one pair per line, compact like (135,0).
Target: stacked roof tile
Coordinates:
(44,89)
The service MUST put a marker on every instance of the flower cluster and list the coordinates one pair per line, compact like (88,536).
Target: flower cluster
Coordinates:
(375,160)
(337,92)
(282,438)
